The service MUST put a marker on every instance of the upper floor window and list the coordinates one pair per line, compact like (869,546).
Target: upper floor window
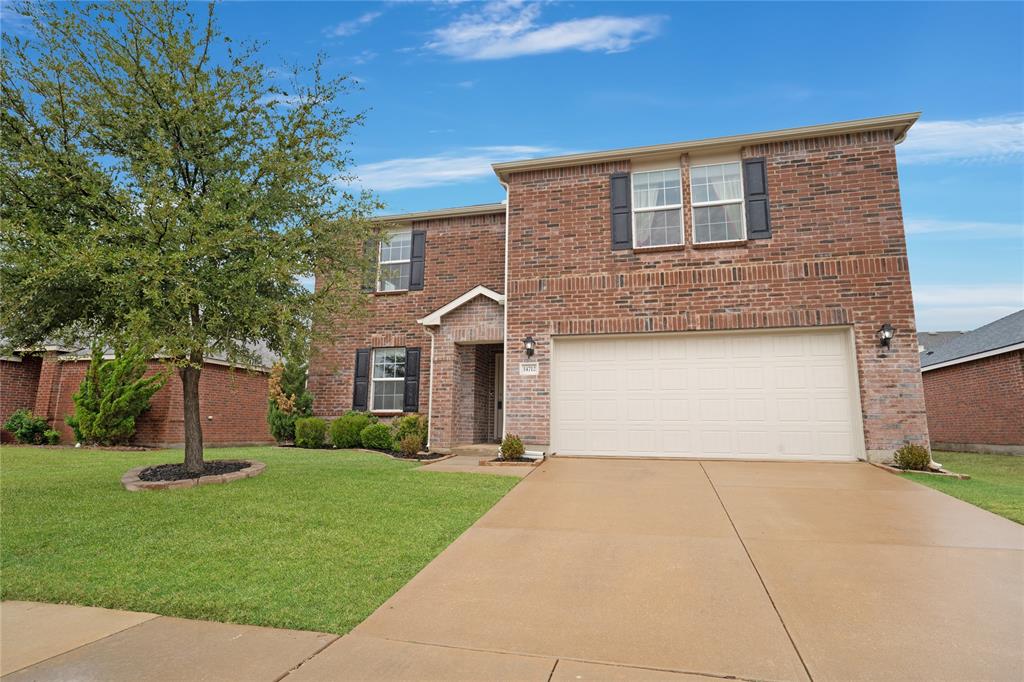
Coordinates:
(657,208)
(395,262)
(387,388)
(717,196)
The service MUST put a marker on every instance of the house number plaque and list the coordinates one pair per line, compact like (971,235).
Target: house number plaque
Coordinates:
(529,369)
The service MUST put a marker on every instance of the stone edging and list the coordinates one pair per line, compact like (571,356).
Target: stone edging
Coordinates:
(940,472)
(133,483)
(485,462)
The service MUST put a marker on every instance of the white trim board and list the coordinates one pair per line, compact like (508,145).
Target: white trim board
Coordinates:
(976,356)
(434,318)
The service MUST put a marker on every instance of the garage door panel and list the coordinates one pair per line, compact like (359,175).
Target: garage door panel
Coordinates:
(763,394)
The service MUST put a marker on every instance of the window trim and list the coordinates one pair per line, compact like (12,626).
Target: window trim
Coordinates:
(380,262)
(373,381)
(742,201)
(650,209)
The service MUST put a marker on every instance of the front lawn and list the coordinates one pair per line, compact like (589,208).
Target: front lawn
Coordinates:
(996,483)
(317,542)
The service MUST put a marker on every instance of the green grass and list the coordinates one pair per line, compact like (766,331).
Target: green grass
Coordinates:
(996,483)
(317,542)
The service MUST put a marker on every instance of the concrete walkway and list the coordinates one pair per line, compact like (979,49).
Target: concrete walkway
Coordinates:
(631,570)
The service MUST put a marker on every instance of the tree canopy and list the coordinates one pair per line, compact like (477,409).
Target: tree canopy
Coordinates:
(160,185)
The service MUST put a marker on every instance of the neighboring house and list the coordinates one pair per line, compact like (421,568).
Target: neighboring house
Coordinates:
(974,389)
(232,400)
(715,298)
(930,341)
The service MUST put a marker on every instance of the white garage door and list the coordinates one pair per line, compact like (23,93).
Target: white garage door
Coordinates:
(787,394)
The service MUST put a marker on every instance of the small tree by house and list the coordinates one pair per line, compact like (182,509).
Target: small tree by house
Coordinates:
(289,399)
(159,183)
(112,396)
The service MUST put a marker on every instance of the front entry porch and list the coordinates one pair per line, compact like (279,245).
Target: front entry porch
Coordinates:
(467,370)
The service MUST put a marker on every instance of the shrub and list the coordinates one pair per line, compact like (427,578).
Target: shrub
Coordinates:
(512,447)
(410,445)
(51,437)
(112,395)
(27,428)
(310,432)
(914,457)
(377,437)
(289,400)
(410,425)
(345,429)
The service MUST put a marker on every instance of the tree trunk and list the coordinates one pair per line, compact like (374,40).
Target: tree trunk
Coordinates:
(193,424)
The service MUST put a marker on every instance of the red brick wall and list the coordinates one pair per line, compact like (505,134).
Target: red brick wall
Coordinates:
(236,399)
(19,382)
(979,402)
(461,253)
(837,257)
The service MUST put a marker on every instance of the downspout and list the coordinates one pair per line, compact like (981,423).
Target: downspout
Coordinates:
(504,355)
(430,391)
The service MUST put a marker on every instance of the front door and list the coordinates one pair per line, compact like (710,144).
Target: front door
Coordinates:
(499,394)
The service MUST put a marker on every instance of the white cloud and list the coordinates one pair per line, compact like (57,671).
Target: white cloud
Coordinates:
(442,169)
(287,101)
(509,28)
(943,307)
(998,138)
(364,57)
(971,228)
(347,28)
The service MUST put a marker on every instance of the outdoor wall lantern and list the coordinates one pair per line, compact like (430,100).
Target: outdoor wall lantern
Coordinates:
(885,334)
(530,346)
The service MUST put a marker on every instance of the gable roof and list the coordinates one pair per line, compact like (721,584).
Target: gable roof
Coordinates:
(898,123)
(1001,336)
(434,318)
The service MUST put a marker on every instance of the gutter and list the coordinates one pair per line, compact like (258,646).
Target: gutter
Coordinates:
(504,355)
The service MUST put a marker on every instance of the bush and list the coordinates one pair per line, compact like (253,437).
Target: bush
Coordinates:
(913,457)
(27,428)
(410,445)
(112,395)
(310,432)
(289,400)
(410,425)
(345,429)
(377,437)
(512,447)
(51,437)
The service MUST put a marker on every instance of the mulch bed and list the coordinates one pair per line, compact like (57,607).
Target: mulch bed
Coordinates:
(419,456)
(521,460)
(177,472)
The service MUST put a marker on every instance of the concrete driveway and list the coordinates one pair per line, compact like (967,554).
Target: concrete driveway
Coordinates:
(675,570)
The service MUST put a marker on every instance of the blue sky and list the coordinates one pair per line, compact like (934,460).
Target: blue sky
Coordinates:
(454,86)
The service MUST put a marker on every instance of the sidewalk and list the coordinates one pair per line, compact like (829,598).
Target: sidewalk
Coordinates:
(60,642)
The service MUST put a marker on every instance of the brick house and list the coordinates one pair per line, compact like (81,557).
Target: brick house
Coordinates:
(974,389)
(714,298)
(233,401)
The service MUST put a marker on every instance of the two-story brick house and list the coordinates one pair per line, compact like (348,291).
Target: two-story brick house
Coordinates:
(716,298)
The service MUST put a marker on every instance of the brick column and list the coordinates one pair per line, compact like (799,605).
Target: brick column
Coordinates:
(49,387)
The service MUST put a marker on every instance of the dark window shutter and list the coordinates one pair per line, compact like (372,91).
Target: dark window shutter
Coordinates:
(361,386)
(755,186)
(412,380)
(371,249)
(419,252)
(622,218)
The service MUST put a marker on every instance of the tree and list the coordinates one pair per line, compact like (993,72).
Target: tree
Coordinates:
(160,187)
(289,399)
(111,396)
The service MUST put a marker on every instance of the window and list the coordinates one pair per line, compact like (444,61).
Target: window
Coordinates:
(394,262)
(717,192)
(387,389)
(657,208)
